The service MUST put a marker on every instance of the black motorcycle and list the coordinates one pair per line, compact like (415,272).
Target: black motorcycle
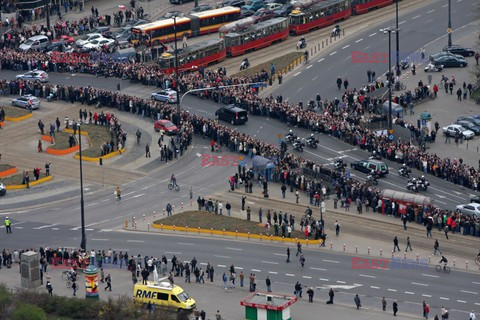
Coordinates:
(291,138)
(404,172)
(298,146)
(312,142)
(339,165)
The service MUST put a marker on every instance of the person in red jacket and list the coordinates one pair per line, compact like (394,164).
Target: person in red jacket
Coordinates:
(212,144)
(435,90)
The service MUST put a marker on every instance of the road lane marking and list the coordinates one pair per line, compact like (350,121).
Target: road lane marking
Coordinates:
(426,295)
(401,22)
(91,224)
(371,35)
(186,243)
(272,272)
(55,229)
(256,270)
(429,275)
(140,241)
(235,249)
(476,282)
(289,275)
(462,301)
(18,227)
(443,298)
(393,290)
(221,265)
(173,252)
(280,254)
(440,201)
(296,74)
(374,287)
(269,262)
(416,17)
(471,292)
(331,261)
(342,282)
(419,284)
(334,52)
(240,268)
(309,66)
(284,283)
(321,60)
(476,303)
(126,194)
(366,276)
(347,58)
(306,277)
(345,47)
(315,78)
(359,40)
(428,21)
(319,269)
(323,279)
(46,226)
(409,292)
(433,10)
(225,257)
(99,239)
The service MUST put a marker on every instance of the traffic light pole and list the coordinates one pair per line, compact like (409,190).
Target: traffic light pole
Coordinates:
(450,23)
(83,244)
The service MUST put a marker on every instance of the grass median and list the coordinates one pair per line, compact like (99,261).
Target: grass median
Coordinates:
(280,63)
(17,179)
(205,220)
(61,141)
(98,135)
(15,112)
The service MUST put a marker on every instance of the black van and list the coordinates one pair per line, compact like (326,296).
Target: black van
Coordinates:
(232,114)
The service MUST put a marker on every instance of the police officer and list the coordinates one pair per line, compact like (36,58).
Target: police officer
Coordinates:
(8,225)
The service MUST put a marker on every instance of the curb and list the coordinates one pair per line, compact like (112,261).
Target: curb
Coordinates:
(2,124)
(107,156)
(47,138)
(21,118)
(62,152)
(8,172)
(32,184)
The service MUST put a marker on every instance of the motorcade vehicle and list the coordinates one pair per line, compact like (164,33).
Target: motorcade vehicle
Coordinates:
(453,129)
(28,102)
(366,166)
(122,32)
(456,49)
(35,43)
(232,114)
(3,190)
(475,200)
(98,44)
(87,39)
(58,47)
(433,67)
(469,126)
(34,75)
(473,119)
(471,209)
(450,62)
(163,294)
(167,95)
(166,126)
(136,22)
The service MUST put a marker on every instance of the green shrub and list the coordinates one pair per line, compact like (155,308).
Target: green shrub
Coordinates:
(78,308)
(28,312)
(4,298)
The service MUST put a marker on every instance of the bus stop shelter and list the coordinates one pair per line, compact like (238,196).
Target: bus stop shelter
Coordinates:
(268,306)
(261,166)
(403,200)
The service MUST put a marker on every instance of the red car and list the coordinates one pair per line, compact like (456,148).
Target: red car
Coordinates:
(64,39)
(166,126)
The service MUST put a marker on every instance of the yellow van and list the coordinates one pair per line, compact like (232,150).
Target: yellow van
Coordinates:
(163,294)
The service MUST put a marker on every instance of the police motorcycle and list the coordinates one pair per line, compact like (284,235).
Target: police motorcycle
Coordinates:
(412,185)
(302,43)
(372,178)
(290,137)
(422,184)
(375,156)
(312,141)
(434,67)
(339,165)
(245,64)
(336,31)
(298,145)
(404,171)
(404,64)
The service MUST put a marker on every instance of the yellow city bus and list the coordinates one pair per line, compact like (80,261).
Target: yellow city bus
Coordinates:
(191,25)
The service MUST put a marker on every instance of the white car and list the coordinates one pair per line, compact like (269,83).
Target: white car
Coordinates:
(453,129)
(98,43)
(87,38)
(471,209)
(168,95)
(273,6)
(35,75)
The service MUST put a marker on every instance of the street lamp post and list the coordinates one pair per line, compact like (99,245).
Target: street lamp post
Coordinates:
(398,39)
(83,244)
(389,30)
(176,69)
(449,23)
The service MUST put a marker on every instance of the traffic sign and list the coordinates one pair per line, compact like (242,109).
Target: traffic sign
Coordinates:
(390,137)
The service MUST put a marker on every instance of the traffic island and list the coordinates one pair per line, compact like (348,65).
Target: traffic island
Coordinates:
(16,181)
(60,144)
(7,170)
(15,114)
(206,223)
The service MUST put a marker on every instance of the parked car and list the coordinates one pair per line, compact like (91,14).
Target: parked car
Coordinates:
(64,39)
(246,13)
(166,126)
(104,31)
(35,75)
(453,129)
(87,39)
(232,3)
(122,32)
(35,43)
(254,5)
(366,166)
(470,126)
(98,43)
(3,190)
(263,14)
(168,95)
(439,54)
(471,209)
(471,119)
(450,61)
(272,6)
(26,102)
(475,200)
(232,114)
(456,49)
(284,11)
(136,22)
(58,47)
(201,8)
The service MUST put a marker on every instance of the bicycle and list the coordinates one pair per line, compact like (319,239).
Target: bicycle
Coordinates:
(67,276)
(439,268)
(171,187)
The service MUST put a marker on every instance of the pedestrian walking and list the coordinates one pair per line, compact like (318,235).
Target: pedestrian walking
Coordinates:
(288,255)
(395,244)
(337,228)
(299,249)
(242,278)
(8,225)
(426,311)
(297,196)
(436,248)
(310,293)
(331,294)
(147,151)
(225,279)
(408,245)
(357,301)
(268,282)
(108,280)
(369,75)
(284,189)
(395,308)
(49,288)
(74,288)
(384,304)
(302,260)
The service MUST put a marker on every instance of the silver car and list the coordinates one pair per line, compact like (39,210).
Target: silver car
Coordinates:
(471,209)
(35,75)
(3,190)
(27,101)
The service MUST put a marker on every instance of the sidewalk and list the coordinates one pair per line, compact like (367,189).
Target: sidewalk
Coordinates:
(356,232)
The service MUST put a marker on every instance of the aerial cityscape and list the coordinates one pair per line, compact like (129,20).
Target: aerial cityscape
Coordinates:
(239,159)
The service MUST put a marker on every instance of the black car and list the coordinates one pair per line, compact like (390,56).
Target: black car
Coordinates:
(470,126)
(57,46)
(232,114)
(456,49)
(450,62)
(233,3)
(284,11)
(179,1)
(471,119)
(367,166)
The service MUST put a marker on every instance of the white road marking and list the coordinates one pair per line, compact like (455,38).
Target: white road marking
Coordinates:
(443,298)
(401,22)
(91,224)
(46,226)
(419,284)
(256,270)
(476,282)
(440,196)
(306,277)
(416,17)
(320,269)
(296,74)
(269,262)
(126,194)
(366,47)
(235,249)
(186,243)
(280,254)
(440,202)
(225,257)
(18,227)
(140,241)
(393,290)
(315,78)
(462,301)
(476,303)
(221,265)
(323,279)
(359,40)
(99,239)
(373,287)
(309,66)
(55,229)
(471,292)
(371,35)
(345,47)
(104,200)
(428,21)
(409,292)
(431,11)
(366,276)
(272,272)
(289,275)
(299,89)
(342,282)
(429,275)
(445,5)
(89,229)
(239,268)
(426,295)
(334,52)
(321,60)
(172,252)
(331,261)
(347,58)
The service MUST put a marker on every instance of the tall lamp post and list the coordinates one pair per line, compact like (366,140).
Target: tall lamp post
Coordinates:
(176,69)
(449,23)
(389,30)
(83,244)
(398,39)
